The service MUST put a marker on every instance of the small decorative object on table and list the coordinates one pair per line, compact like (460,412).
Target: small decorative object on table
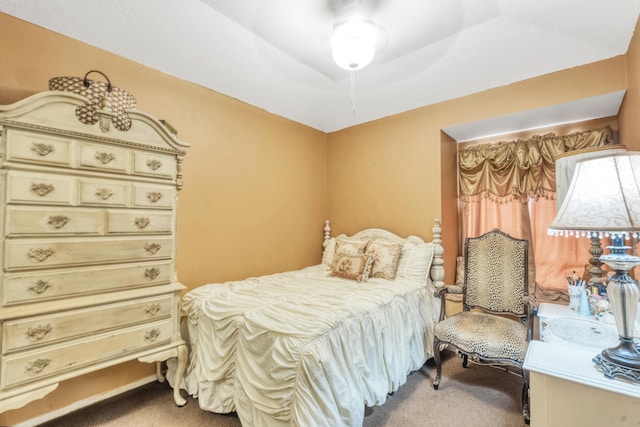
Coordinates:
(585,310)
(601,308)
(575,289)
(575,292)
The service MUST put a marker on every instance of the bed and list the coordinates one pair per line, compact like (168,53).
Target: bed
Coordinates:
(313,347)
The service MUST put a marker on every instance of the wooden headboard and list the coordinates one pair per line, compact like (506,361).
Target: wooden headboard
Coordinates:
(437,265)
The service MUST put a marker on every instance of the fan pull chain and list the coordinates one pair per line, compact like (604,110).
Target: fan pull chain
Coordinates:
(353,92)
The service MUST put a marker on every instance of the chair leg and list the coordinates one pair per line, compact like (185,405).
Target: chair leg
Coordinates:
(525,398)
(465,360)
(436,358)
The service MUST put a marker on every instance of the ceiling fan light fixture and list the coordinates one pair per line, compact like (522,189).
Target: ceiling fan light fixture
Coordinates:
(353,44)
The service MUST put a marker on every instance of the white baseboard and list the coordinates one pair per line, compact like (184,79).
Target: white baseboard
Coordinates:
(86,402)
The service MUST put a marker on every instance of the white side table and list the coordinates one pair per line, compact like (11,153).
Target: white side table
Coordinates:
(567,390)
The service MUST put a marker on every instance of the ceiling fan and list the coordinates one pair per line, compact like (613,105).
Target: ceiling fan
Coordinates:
(354,36)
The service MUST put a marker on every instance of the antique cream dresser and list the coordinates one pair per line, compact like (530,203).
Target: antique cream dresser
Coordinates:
(88,218)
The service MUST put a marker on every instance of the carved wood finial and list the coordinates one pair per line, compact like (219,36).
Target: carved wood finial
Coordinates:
(437,265)
(327,234)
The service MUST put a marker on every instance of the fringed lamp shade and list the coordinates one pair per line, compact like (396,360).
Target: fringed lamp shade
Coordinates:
(566,165)
(603,198)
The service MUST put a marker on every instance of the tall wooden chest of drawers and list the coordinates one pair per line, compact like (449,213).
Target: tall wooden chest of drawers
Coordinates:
(88,220)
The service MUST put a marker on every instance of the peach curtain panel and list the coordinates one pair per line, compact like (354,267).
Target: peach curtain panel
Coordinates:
(511,186)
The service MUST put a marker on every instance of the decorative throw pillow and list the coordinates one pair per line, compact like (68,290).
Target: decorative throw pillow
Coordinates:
(348,247)
(353,267)
(386,256)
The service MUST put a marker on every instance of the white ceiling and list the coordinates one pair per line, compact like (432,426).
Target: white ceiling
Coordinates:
(275,54)
(570,112)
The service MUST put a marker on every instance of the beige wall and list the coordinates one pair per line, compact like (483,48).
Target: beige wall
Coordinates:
(254,196)
(258,187)
(399,172)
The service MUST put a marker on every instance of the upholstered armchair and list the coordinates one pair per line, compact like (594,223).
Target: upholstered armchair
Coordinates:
(496,322)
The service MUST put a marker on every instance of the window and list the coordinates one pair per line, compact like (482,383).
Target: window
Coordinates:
(511,186)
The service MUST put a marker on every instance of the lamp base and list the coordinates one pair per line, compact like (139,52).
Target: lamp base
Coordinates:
(622,361)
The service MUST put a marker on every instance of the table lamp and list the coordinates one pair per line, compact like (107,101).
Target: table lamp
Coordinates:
(603,200)
(565,165)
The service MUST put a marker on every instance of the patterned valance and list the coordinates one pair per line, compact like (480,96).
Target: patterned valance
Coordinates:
(521,169)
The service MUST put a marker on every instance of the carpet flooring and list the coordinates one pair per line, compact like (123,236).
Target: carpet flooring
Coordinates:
(477,396)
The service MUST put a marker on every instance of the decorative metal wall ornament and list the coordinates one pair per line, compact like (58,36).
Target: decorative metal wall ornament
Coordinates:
(106,103)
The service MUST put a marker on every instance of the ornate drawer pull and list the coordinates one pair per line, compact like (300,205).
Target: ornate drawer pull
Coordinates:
(104,193)
(154,196)
(41,189)
(39,332)
(154,164)
(142,222)
(38,366)
(104,158)
(39,255)
(58,221)
(41,149)
(39,287)
(151,273)
(152,248)
(152,335)
(152,309)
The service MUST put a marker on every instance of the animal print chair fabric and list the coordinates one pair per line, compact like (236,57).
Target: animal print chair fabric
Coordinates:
(496,324)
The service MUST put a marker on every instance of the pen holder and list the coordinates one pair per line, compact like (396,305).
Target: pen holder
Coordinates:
(575,293)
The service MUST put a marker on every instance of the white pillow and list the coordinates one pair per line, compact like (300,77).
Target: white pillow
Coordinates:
(415,261)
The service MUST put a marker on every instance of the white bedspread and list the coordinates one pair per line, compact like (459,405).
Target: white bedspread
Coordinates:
(305,349)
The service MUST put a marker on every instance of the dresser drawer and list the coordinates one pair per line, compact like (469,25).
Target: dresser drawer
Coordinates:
(101,192)
(104,158)
(29,254)
(39,188)
(153,196)
(31,220)
(34,331)
(132,221)
(154,164)
(38,148)
(36,364)
(48,285)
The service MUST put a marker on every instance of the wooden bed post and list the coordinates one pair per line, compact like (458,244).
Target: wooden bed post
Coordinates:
(437,265)
(327,234)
